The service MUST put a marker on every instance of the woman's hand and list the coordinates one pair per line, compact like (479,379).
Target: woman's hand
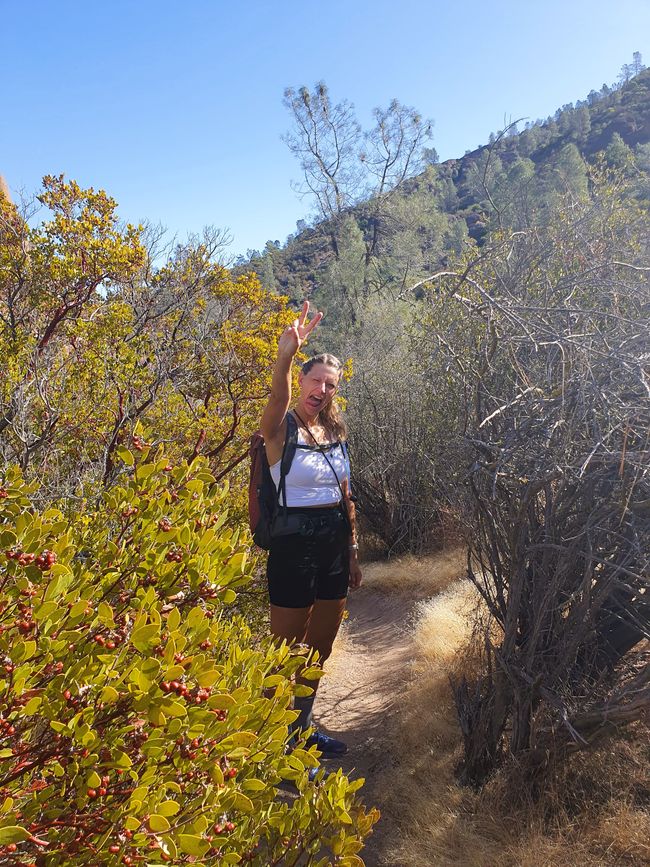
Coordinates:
(355,571)
(295,335)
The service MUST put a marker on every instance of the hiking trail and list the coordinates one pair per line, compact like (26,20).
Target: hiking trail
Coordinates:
(364,679)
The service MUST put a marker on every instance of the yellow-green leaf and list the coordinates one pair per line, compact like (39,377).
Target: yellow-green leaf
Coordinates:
(145,637)
(173,619)
(109,695)
(158,822)
(253,785)
(241,802)
(13,834)
(193,845)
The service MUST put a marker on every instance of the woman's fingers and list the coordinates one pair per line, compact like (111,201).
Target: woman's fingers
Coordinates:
(317,318)
(303,314)
(302,327)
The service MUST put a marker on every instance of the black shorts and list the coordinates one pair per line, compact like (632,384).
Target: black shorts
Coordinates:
(312,564)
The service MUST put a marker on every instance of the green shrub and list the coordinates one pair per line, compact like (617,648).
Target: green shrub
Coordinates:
(140,722)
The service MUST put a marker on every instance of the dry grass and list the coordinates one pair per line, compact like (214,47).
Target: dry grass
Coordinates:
(594,813)
(418,577)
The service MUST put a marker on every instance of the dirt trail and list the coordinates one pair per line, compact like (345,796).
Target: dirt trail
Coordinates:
(364,679)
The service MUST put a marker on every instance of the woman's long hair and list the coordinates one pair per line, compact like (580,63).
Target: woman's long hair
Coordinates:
(329,416)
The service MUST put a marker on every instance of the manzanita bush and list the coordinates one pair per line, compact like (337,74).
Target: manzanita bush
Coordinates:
(140,721)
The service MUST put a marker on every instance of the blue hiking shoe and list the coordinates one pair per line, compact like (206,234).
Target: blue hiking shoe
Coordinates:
(329,747)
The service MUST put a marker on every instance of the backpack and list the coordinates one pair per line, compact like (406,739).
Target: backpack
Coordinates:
(263,498)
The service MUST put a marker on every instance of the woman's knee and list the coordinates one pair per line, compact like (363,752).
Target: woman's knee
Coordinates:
(290,624)
(324,624)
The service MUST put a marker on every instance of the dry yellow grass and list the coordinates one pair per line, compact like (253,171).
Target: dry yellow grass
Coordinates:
(595,815)
(416,576)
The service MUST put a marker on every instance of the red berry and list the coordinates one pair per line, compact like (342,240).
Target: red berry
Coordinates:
(91,793)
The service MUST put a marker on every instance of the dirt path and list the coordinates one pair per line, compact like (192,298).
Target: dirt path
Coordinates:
(364,678)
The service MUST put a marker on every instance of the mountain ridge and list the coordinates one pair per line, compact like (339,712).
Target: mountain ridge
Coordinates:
(302,262)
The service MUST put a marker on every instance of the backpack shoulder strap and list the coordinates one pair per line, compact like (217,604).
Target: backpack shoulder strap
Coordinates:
(290,445)
(288,453)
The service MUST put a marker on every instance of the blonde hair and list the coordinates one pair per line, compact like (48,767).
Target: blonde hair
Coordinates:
(329,416)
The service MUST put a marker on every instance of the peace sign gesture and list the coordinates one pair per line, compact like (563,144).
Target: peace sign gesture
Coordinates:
(295,335)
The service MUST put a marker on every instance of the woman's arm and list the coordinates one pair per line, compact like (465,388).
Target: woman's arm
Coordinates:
(272,425)
(355,568)
(275,411)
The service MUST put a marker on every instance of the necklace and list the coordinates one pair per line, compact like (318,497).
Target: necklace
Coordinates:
(308,429)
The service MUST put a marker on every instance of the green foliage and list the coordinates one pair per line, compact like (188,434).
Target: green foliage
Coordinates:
(617,154)
(94,337)
(140,719)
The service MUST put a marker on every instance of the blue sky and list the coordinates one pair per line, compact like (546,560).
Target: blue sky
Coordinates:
(176,109)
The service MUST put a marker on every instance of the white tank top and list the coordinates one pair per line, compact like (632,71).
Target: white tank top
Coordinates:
(310,480)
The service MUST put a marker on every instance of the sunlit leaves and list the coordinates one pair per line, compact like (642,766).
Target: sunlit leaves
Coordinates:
(95,336)
(139,715)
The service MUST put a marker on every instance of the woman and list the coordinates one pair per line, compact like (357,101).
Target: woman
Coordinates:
(309,571)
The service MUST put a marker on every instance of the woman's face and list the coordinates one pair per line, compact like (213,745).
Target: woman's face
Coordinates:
(318,387)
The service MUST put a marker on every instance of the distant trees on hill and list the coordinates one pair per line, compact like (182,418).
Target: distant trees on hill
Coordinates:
(407,223)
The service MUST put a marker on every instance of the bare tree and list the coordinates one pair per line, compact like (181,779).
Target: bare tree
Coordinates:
(341,166)
(326,141)
(558,427)
(394,152)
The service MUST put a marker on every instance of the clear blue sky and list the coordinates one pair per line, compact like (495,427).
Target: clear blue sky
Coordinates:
(176,108)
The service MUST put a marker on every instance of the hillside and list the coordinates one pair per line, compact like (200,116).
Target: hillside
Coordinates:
(433,213)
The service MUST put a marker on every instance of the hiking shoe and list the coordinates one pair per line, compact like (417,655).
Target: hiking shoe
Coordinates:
(327,745)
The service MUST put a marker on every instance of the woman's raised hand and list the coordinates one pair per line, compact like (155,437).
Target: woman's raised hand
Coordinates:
(295,335)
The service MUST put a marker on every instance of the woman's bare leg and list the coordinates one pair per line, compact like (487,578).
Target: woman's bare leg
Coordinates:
(323,626)
(317,627)
(322,629)
(290,623)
